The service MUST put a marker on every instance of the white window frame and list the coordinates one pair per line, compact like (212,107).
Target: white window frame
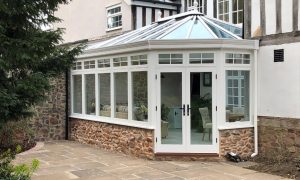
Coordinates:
(230,11)
(237,67)
(239,78)
(111,70)
(113,15)
(236,11)
(201,6)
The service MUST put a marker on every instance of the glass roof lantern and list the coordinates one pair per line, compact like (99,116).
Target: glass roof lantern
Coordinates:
(188,25)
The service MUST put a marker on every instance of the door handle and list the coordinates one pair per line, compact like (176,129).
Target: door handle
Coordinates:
(183,109)
(188,110)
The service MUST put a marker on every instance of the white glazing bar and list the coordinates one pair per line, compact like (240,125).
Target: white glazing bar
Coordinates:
(152,31)
(83,94)
(191,27)
(119,38)
(225,30)
(176,25)
(129,95)
(97,97)
(136,32)
(96,45)
(205,25)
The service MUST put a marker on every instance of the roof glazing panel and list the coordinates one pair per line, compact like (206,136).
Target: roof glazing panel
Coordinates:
(189,25)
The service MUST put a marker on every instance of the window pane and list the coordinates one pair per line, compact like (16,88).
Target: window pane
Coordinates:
(77,94)
(238,101)
(195,55)
(104,95)
(241,4)
(121,95)
(90,94)
(234,5)
(139,60)
(140,96)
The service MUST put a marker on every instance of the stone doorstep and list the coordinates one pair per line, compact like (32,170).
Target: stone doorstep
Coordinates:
(214,157)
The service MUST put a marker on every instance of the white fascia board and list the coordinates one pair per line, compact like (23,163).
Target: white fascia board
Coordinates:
(203,44)
(128,2)
(171,45)
(160,6)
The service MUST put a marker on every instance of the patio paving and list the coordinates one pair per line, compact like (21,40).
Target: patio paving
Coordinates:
(61,160)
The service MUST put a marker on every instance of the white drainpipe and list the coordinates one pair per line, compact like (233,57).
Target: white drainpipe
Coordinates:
(255,106)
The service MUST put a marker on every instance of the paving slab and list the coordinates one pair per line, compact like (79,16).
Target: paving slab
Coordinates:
(64,160)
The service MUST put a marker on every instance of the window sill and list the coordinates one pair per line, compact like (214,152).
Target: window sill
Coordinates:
(236,125)
(113,29)
(116,121)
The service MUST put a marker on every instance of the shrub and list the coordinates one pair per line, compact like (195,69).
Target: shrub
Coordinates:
(8,171)
(15,133)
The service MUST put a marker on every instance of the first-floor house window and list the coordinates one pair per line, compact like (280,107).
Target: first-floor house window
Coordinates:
(231,11)
(114,17)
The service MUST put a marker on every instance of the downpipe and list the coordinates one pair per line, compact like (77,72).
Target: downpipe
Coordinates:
(255,106)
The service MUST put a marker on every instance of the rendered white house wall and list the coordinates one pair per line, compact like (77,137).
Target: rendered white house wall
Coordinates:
(279,83)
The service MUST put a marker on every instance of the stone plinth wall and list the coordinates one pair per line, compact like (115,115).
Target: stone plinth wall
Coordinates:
(49,120)
(240,141)
(278,136)
(129,140)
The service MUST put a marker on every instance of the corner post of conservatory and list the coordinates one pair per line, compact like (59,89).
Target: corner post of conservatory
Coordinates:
(255,104)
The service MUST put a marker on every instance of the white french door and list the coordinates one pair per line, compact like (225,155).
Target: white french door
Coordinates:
(186,111)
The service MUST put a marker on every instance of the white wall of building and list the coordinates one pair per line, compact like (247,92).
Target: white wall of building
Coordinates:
(255,18)
(287,15)
(299,15)
(139,20)
(270,9)
(89,21)
(279,83)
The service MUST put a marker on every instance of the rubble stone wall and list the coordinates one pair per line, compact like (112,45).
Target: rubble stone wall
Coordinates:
(240,141)
(277,136)
(129,140)
(50,116)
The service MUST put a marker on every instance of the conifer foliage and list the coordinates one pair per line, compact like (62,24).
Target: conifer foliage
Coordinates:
(29,54)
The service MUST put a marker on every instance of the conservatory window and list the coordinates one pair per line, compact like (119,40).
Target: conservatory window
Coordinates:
(237,58)
(103,63)
(121,95)
(114,17)
(237,95)
(139,96)
(104,94)
(77,66)
(223,10)
(170,58)
(120,61)
(201,6)
(201,58)
(237,11)
(77,94)
(90,94)
(89,65)
(139,60)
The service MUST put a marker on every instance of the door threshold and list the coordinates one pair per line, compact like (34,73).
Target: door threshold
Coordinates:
(188,156)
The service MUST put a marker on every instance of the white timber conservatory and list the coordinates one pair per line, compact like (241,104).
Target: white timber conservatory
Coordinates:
(186,77)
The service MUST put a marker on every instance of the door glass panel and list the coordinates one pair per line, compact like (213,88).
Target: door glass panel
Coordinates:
(171,102)
(201,107)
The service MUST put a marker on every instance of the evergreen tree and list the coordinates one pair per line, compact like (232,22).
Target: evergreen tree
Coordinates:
(29,55)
